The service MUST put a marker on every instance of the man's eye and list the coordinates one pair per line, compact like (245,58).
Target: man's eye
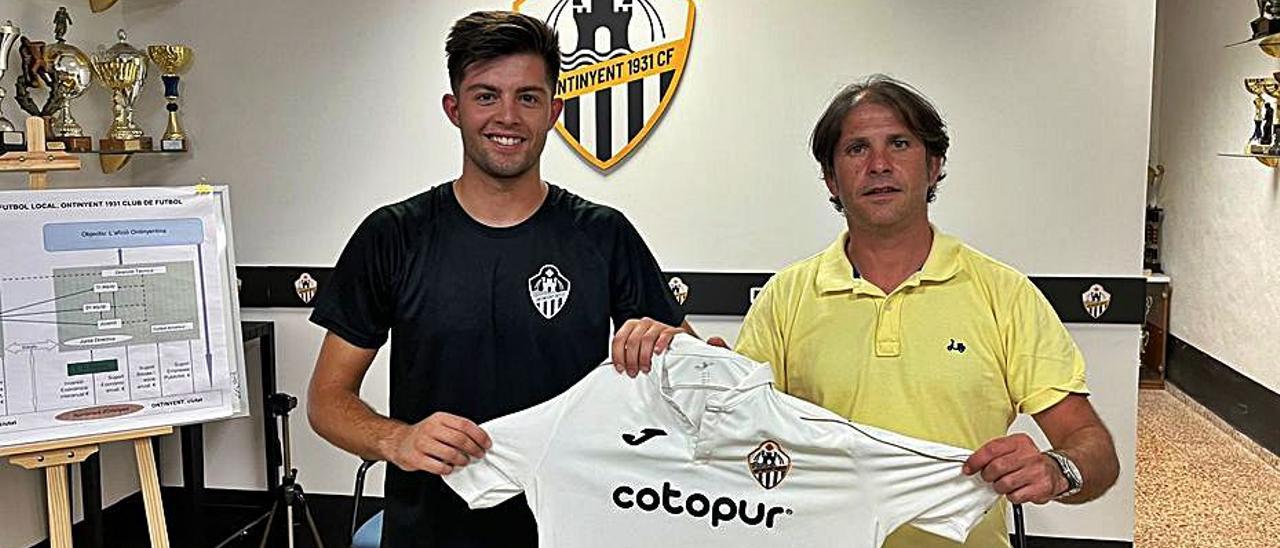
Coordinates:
(856,149)
(901,143)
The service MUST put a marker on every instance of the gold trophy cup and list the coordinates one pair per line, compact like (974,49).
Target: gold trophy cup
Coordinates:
(122,69)
(173,60)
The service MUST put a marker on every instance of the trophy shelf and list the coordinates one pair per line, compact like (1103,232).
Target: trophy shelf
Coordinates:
(1269,160)
(1269,44)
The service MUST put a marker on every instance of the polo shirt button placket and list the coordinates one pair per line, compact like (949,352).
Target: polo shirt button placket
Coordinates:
(888,337)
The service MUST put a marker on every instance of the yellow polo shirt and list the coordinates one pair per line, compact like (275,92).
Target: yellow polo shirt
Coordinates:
(951,355)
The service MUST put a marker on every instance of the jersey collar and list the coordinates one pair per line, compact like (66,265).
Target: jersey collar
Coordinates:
(836,275)
(689,362)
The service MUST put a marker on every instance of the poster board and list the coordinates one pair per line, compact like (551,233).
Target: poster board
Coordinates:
(117,311)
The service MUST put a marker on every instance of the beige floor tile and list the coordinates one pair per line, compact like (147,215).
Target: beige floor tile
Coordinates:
(1197,486)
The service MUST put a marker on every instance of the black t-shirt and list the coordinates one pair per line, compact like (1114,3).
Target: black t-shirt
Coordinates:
(484,322)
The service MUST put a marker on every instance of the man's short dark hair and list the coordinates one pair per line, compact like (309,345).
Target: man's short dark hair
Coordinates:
(915,110)
(486,35)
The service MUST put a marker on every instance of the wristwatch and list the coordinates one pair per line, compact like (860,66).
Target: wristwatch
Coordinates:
(1069,470)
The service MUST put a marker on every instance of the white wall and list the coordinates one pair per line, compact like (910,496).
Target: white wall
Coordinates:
(1222,215)
(318,111)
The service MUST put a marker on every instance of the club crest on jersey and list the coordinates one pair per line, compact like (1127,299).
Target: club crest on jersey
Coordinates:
(769,464)
(1096,300)
(549,290)
(620,64)
(305,287)
(679,289)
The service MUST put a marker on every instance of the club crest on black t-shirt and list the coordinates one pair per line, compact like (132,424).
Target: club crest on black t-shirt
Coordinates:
(549,290)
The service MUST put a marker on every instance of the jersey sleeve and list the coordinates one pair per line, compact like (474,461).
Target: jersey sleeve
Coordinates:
(920,483)
(760,337)
(357,303)
(1044,363)
(521,441)
(637,286)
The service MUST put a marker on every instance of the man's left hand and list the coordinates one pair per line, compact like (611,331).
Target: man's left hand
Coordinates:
(1016,468)
(637,341)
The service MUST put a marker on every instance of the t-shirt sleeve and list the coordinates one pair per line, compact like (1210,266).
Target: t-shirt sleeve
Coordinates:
(521,442)
(1045,365)
(357,303)
(637,285)
(920,483)
(760,337)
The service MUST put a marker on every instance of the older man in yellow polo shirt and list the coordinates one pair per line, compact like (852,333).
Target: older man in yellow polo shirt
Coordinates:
(900,326)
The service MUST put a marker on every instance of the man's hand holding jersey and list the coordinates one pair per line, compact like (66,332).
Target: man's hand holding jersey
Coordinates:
(437,444)
(639,340)
(1016,468)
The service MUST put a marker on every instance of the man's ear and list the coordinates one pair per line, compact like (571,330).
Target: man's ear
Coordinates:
(450,104)
(832,187)
(935,168)
(557,105)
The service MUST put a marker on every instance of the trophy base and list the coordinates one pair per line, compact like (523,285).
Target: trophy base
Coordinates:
(12,140)
(173,145)
(1264,27)
(1257,149)
(125,145)
(75,144)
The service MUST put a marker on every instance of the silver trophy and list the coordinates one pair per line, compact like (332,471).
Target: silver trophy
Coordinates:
(10,137)
(74,74)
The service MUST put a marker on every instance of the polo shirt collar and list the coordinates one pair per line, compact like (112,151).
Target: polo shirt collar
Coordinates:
(835,273)
(944,258)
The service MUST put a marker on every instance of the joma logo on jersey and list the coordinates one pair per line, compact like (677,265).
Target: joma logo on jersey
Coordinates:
(721,509)
(621,62)
(549,290)
(769,464)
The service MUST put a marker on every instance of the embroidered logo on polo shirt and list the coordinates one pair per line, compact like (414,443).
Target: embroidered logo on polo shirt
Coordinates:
(956,346)
(1096,300)
(549,290)
(769,464)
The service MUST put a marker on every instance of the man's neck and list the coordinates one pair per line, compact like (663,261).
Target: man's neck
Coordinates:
(887,258)
(500,203)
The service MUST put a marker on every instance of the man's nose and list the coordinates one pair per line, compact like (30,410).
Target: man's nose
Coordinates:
(878,161)
(507,111)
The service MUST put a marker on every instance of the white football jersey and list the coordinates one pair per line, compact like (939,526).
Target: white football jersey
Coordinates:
(704,452)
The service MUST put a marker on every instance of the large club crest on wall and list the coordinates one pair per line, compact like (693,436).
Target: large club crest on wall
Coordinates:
(621,62)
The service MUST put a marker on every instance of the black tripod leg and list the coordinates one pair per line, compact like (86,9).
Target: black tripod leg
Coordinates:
(315,532)
(271,517)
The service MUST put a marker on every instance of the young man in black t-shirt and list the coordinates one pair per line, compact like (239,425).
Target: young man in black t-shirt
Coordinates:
(498,291)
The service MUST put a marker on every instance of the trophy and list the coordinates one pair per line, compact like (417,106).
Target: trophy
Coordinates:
(173,60)
(1260,140)
(1271,145)
(1268,21)
(122,69)
(72,74)
(35,74)
(1155,217)
(10,137)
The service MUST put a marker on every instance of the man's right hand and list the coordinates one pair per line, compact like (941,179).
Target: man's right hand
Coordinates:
(438,444)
